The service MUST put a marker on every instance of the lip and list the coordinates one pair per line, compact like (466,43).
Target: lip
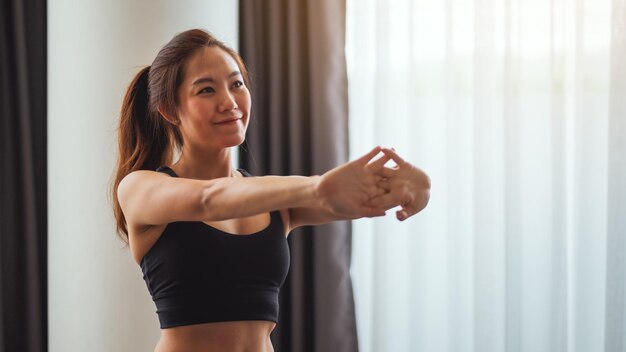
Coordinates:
(229,121)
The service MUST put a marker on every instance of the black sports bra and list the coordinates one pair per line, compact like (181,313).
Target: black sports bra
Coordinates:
(199,274)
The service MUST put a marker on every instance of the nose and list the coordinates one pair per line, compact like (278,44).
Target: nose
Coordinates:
(227,102)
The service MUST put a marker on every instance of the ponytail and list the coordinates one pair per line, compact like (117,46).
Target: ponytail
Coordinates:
(143,140)
(146,140)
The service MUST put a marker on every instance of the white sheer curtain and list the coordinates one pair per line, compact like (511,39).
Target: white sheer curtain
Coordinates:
(517,111)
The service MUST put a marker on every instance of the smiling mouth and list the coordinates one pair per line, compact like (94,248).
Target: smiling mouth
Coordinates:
(229,121)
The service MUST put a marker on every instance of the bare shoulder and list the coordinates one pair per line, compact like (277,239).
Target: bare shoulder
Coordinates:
(129,182)
(136,182)
(154,198)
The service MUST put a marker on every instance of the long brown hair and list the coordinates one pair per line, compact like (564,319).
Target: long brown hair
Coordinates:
(146,139)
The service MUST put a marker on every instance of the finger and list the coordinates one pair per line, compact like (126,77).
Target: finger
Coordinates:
(383,201)
(367,157)
(386,172)
(396,158)
(405,213)
(378,163)
(379,191)
(371,212)
(384,184)
(402,215)
(375,191)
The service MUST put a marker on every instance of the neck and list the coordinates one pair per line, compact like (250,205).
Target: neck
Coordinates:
(203,165)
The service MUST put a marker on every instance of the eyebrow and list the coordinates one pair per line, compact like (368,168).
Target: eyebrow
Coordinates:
(210,79)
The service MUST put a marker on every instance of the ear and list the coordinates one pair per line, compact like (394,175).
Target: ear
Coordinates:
(171,119)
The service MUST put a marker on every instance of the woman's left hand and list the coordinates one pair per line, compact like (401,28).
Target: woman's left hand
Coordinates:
(405,185)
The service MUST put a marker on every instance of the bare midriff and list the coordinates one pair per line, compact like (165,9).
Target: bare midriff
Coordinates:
(232,336)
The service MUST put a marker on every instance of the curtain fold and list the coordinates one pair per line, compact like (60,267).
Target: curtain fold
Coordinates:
(23,215)
(516,110)
(615,335)
(299,125)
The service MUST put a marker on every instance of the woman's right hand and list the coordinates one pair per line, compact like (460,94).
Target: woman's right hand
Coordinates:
(406,185)
(346,189)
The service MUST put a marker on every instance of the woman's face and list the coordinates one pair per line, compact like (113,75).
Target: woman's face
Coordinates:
(214,103)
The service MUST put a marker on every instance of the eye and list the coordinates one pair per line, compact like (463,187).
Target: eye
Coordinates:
(238,84)
(206,90)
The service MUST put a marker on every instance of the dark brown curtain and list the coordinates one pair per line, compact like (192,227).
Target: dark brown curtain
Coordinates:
(299,126)
(23,176)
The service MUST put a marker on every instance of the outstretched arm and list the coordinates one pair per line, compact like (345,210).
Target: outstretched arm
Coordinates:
(317,215)
(151,198)
(405,185)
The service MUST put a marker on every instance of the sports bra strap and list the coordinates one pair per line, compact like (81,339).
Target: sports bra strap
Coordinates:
(167,170)
(245,173)
(171,172)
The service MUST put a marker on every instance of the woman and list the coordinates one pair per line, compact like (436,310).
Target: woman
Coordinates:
(211,240)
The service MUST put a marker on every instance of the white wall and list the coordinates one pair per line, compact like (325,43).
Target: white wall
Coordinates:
(98,300)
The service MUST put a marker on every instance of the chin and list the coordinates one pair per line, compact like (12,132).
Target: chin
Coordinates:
(235,143)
